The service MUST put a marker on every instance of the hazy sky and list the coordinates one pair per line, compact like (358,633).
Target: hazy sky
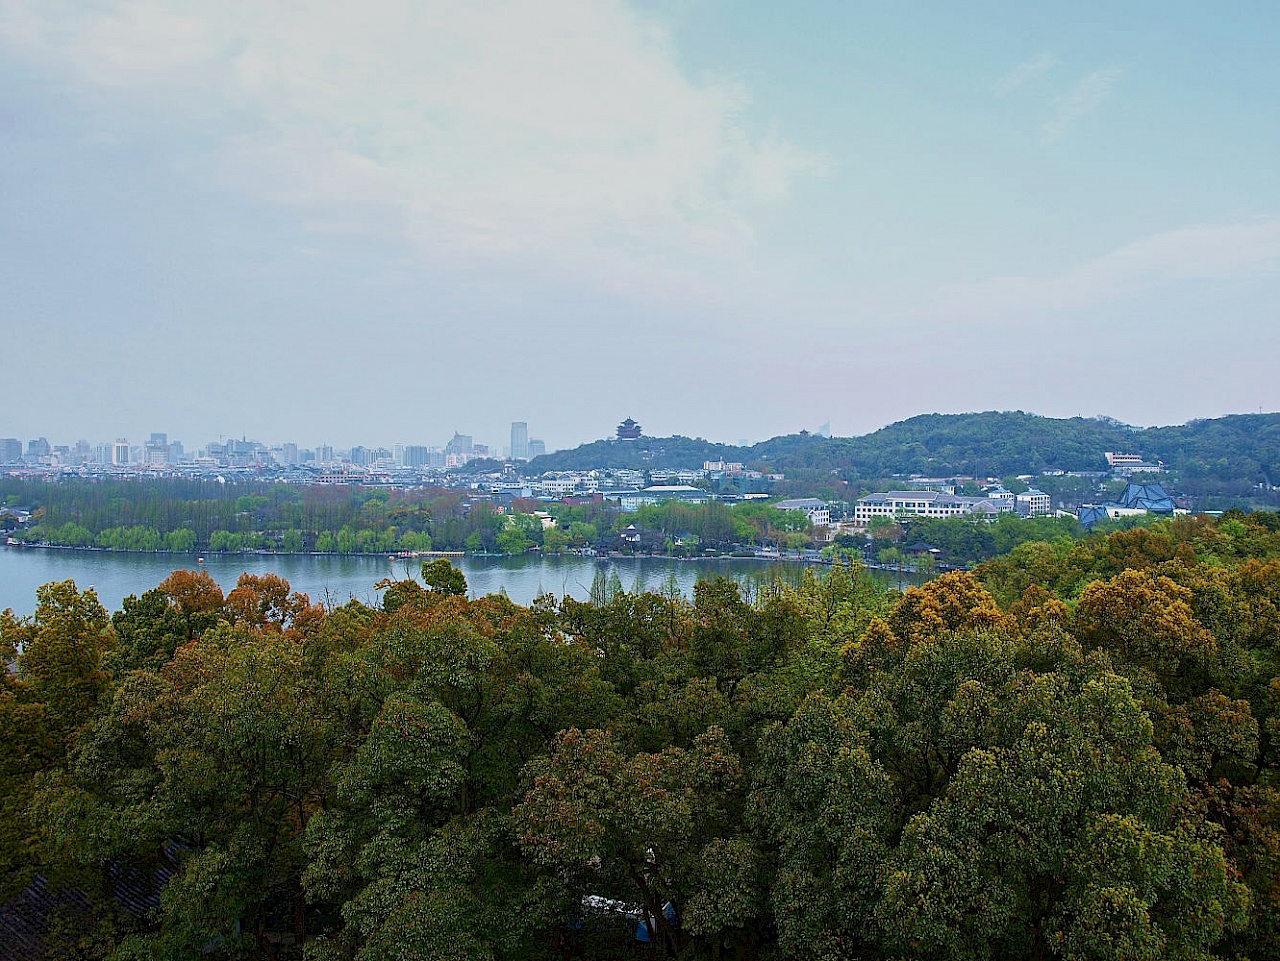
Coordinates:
(378,222)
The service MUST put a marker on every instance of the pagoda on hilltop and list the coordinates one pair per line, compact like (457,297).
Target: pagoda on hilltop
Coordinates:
(628,430)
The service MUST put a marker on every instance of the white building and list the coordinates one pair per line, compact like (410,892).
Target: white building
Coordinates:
(1001,495)
(1125,465)
(893,504)
(559,484)
(633,500)
(818,512)
(1033,503)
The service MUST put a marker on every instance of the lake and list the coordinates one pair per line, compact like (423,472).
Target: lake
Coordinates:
(334,579)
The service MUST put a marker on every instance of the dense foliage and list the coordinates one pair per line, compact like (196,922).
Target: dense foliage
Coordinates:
(1074,754)
(184,516)
(1226,457)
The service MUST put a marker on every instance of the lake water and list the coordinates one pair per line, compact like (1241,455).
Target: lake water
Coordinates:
(335,579)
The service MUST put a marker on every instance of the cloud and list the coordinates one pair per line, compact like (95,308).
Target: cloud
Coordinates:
(551,132)
(1025,73)
(1090,92)
(1201,252)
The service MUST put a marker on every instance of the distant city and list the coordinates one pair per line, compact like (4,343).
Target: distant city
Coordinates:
(161,451)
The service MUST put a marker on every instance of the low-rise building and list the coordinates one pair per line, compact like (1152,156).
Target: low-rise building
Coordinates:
(1001,495)
(818,511)
(1126,465)
(1032,503)
(633,500)
(894,504)
(1136,499)
(559,484)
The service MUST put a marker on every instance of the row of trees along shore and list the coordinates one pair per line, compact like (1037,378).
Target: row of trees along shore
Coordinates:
(1072,752)
(186,516)
(182,516)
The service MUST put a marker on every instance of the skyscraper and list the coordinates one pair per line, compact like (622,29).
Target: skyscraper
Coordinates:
(460,444)
(156,450)
(519,440)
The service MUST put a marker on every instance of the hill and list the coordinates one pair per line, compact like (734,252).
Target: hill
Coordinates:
(1240,449)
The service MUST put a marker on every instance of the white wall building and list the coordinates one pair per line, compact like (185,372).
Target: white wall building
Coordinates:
(818,512)
(1033,503)
(892,504)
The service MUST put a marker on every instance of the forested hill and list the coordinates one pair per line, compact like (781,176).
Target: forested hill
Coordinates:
(645,453)
(1240,447)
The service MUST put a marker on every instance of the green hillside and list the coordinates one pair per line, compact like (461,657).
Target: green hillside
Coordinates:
(1237,451)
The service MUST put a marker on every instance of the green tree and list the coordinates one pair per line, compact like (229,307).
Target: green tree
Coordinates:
(554,540)
(645,828)
(443,578)
(826,810)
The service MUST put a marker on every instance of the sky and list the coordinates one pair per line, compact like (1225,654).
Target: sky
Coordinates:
(378,223)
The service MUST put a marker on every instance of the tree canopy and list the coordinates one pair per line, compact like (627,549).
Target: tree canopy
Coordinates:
(1071,753)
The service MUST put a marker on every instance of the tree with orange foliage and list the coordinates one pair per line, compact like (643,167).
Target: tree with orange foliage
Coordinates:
(1146,620)
(265,601)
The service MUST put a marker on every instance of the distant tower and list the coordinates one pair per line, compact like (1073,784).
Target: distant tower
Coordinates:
(537,448)
(628,430)
(519,440)
(120,452)
(462,444)
(156,451)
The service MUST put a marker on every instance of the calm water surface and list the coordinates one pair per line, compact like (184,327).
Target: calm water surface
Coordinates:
(336,579)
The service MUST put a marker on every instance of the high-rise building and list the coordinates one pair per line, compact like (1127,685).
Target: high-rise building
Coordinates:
(37,449)
(460,444)
(415,455)
(156,450)
(519,440)
(537,448)
(120,452)
(289,454)
(10,450)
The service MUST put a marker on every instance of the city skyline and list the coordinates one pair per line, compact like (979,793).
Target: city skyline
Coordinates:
(329,221)
(123,450)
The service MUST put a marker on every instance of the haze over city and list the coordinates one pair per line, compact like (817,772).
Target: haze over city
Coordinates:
(389,221)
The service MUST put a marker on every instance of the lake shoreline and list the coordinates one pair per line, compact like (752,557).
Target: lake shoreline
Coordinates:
(412,555)
(115,575)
